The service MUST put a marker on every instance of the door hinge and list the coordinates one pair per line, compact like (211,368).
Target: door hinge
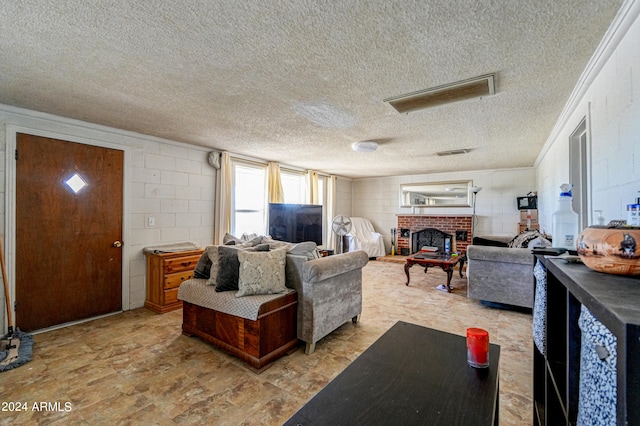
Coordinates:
(15,305)
(16,155)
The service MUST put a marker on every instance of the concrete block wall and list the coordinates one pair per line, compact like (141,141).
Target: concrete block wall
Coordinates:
(173,196)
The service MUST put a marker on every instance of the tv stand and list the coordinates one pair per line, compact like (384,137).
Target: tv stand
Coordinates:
(615,301)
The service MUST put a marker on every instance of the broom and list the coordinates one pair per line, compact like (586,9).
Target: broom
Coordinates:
(16,346)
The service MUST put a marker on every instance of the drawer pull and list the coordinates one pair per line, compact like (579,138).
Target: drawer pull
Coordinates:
(602,352)
(185,264)
(184,279)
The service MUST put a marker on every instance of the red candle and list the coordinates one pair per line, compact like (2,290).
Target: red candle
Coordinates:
(477,347)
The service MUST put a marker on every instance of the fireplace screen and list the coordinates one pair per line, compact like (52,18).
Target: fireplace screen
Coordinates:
(429,237)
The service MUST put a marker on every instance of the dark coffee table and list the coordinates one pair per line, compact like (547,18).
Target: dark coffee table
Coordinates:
(428,260)
(411,375)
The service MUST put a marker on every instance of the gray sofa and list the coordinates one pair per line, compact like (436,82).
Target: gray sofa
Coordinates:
(500,275)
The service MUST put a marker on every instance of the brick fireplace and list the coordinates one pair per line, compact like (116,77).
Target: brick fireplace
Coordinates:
(446,223)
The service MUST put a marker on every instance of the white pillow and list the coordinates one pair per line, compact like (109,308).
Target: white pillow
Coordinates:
(262,272)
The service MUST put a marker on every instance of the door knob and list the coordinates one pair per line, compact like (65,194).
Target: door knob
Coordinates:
(117,244)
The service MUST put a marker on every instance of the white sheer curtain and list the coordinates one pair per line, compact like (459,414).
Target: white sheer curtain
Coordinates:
(274,184)
(331,238)
(311,178)
(223,199)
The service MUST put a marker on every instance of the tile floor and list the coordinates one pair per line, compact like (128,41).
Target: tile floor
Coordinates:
(137,367)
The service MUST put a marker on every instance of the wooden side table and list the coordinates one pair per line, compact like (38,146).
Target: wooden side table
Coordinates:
(165,272)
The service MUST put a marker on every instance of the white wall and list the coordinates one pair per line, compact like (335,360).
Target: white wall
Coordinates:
(170,181)
(608,94)
(378,199)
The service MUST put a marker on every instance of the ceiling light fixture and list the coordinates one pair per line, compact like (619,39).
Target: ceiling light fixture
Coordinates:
(476,87)
(364,146)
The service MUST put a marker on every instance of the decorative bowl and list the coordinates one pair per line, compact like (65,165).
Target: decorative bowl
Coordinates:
(610,250)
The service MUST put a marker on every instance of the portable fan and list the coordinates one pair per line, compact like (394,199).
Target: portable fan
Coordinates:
(341,225)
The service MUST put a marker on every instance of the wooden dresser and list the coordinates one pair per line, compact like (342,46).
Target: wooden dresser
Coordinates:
(165,272)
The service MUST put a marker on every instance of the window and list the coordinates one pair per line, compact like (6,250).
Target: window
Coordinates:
(249,199)
(293,186)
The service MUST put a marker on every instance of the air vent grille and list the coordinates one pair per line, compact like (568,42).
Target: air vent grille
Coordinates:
(453,152)
(453,92)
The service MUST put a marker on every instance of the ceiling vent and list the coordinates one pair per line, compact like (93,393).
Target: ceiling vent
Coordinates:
(453,152)
(453,92)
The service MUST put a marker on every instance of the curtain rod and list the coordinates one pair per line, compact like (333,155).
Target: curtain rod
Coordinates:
(265,162)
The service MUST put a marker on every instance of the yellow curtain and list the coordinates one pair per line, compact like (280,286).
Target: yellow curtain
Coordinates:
(311,178)
(223,199)
(274,185)
(331,239)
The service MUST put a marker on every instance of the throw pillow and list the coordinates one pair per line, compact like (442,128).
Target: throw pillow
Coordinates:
(261,273)
(276,244)
(228,266)
(539,242)
(203,268)
(248,237)
(522,239)
(228,238)
(255,241)
(212,252)
(305,249)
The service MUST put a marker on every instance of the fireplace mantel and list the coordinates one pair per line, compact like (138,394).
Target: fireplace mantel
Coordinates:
(434,215)
(449,223)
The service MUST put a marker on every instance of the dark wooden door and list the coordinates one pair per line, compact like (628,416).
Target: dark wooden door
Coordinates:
(68,243)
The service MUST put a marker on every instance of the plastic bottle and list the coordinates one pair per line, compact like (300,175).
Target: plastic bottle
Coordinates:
(633,213)
(565,221)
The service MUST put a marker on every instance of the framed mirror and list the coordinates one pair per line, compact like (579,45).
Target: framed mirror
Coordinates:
(436,194)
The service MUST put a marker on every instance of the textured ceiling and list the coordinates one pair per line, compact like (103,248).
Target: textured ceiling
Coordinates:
(299,81)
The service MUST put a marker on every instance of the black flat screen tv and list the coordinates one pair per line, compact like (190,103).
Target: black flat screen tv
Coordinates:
(295,223)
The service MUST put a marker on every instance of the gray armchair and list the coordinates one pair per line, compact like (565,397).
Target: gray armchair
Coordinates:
(329,293)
